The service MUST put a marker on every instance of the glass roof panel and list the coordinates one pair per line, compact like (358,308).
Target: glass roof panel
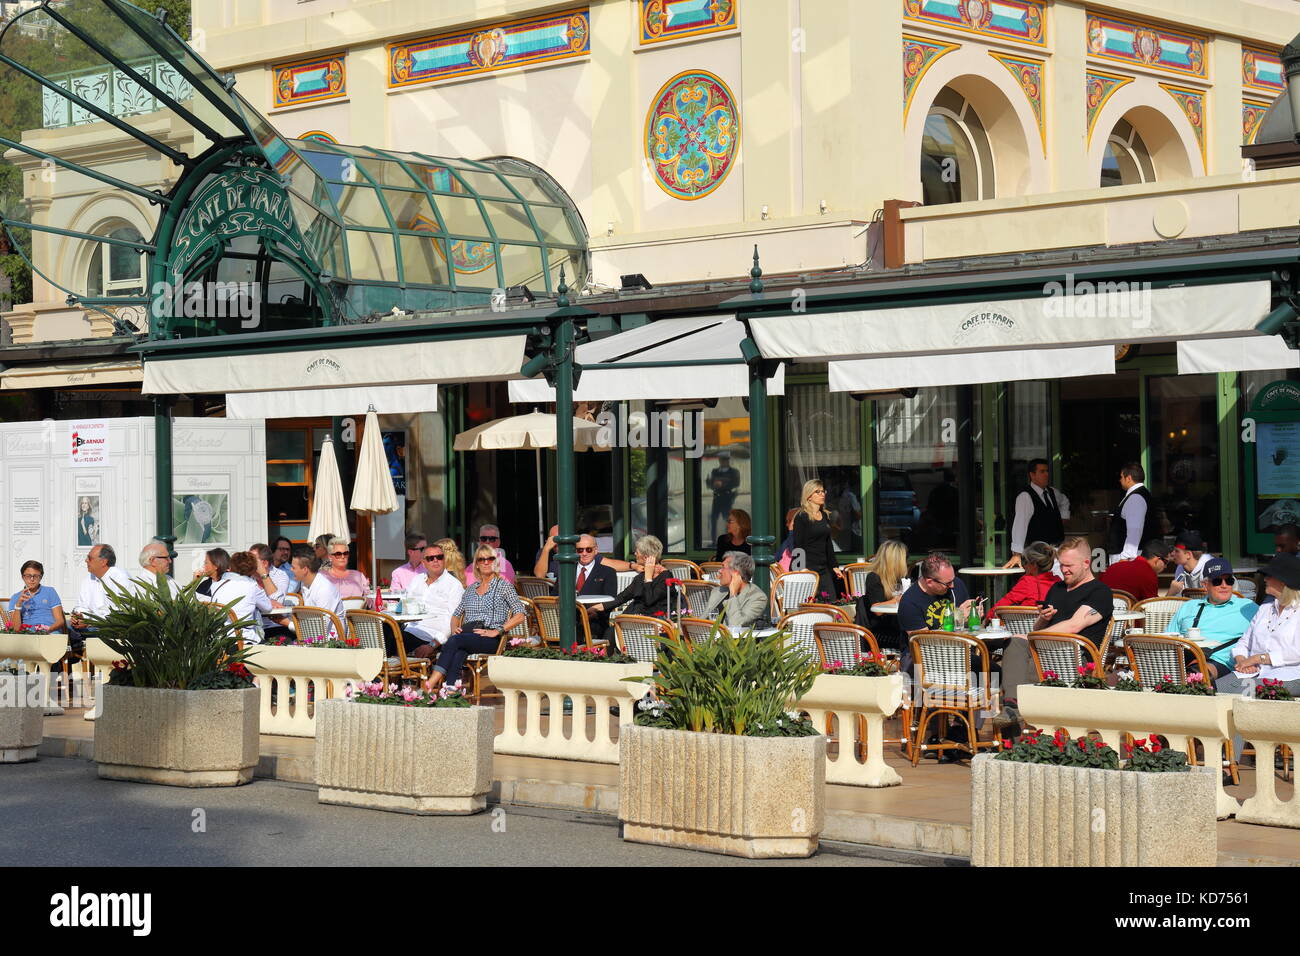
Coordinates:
(510,220)
(372,256)
(521,265)
(486,184)
(423,261)
(360,206)
(462,216)
(531,189)
(412,211)
(554,225)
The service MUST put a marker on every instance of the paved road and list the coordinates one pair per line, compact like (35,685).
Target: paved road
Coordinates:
(269,823)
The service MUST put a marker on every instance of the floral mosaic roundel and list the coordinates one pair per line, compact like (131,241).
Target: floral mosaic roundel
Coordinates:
(692,134)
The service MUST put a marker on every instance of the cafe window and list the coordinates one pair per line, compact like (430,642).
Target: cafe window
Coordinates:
(1127,160)
(116,270)
(1184,439)
(824,441)
(725,470)
(292,457)
(956,159)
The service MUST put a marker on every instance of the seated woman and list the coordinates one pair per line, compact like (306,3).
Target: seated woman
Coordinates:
(1270,648)
(347,582)
(36,605)
(648,592)
(1219,616)
(737,535)
(885,583)
(784,553)
(489,608)
(1032,587)
(216,565)
(238,588)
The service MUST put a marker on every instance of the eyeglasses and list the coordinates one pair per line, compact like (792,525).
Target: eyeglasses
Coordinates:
(489,537)
(341,554)
(1226,579)
(160,557)
(434,557)
(420,548)
(946,584)
(484,560)
(586,550)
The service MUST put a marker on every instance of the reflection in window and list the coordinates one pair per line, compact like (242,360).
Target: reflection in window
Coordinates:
(725,470)
(823,439)
(956,160)
(116,270)
(1127,159)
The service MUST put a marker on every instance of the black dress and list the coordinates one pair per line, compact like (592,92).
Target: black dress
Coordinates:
(883,626)
(813,538)
(725,545)
(646,597)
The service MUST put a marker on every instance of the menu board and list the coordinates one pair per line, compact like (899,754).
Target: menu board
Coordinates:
(1277,459)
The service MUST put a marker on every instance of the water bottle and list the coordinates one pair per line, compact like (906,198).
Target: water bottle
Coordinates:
(972,620)
(948,621)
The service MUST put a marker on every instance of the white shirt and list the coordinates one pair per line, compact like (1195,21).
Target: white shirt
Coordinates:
(287,570)
(145,576)
(1277,634)
(1195,577)
(248,597)
(1025,511)
(440,600)
(94,598)
(281,582)
(1134,514)
(323,594)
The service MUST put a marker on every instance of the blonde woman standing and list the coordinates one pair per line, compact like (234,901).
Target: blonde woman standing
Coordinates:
(812,541)
(455,560)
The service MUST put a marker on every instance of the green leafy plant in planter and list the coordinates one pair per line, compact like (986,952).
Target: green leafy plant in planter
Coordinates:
(172,641)
(1051,679)
(1089,679)
(1195,685)
(1128,684)
(730,685)
(1060,750)
(1267,689)
(522,647)
(1148,756)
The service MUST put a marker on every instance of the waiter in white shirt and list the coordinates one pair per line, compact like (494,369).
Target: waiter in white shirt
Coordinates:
(439,593)
(1040,512)
(1134,521)
(101,562)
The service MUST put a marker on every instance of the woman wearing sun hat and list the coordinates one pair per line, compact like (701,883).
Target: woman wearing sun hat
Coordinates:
(1270,648)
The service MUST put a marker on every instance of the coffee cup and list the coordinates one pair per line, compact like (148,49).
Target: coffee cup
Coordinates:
(1194,634)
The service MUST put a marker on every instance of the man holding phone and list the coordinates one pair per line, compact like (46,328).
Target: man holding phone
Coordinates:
(1080,604)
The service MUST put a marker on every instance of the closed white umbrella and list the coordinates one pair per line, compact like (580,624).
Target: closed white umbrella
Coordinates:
(328,513)
(373,491)
(536,430)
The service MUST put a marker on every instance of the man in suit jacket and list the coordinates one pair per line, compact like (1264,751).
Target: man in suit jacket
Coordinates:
(594,577)
(744,600)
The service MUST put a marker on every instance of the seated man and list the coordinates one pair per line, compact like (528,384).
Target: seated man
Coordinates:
(1220,616)
(316,588)
(1139,576)
(95,596)
(546,558)
(592,578)
(921,606)
(1190,556)
(744,602)
(439,594)
(155,560)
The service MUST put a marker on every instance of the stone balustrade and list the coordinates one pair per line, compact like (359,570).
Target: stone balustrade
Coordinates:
(1268,724)
(855,700)
(38,652)
(101,657)
(290,670)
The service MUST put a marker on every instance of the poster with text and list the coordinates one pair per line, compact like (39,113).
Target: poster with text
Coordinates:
(1277,459)
(201,519)
(88,444)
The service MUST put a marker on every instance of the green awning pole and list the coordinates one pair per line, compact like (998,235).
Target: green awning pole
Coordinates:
(565,485)
(760,538)
(162,440)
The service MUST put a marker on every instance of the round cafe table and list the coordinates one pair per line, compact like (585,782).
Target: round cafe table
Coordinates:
(595,598)
(885,608)
(992,574)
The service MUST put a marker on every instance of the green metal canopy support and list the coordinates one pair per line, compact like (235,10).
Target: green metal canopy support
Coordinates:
(761,540)
(162,449)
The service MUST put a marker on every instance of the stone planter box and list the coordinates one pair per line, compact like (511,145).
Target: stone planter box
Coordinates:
(1112,713)
(1025,814)
(850,698)
(22,714)
(755,797)
(329,670)
(424,760)
(1268,724)
(39,652)
(183,738)
(584,681)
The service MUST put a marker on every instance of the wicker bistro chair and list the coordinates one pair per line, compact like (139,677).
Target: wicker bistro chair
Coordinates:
(369,626)
(534,587)
(1063,654)
(355,603)
(1157,613)
(843,642)
(696,630)
(636,633)
(710,570)
(683,569)
(948,683)
(1018,619)
(855,576)
(310,623)
(1115,633)
(799,625)
(477,664)
(1120,595)
(547,610)
(698,594)
(1192,594)
(793,589)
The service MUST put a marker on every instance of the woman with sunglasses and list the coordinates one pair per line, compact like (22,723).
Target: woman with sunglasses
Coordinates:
(348,583)
(490,535)
(488,609)
(1220,616)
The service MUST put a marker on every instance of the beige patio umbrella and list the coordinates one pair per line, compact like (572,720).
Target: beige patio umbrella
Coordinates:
(536,431)
(328,513)
(373,491)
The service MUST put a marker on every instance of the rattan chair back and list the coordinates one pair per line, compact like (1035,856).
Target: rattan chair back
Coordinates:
(547,608)
(1157,613)
(1018,619)
(844,643)
(698,594)
(856,576)
(635,634)
(316,623)
(531,587)
(697,629)
(683,569)
(798,625)
(794,588)
(1062,654)
(1120,595)
(1154,657)
(710,569)
(952,670)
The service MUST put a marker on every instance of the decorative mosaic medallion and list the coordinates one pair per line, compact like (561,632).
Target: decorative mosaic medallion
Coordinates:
(692,134)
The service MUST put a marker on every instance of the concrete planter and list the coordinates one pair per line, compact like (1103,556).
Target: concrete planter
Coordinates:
(1025,814)
(755,797)
(327,669)
(183,738)
(583,681)
(39,652)
(22,714)
(424,760)
(1113,713)
(1267,724)
(849,698)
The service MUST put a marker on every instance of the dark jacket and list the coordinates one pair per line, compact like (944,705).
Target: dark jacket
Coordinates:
(601,580)
(646,598)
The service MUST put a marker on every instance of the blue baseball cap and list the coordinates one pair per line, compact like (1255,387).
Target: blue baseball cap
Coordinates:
(1216,568)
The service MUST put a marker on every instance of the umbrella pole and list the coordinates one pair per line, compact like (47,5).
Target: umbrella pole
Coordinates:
(541,515)
(374,555)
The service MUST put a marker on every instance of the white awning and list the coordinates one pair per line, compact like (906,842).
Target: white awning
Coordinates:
(1110,317)
(1258,353)
(320,368)
(72,375)
(692,338)
(933,371)
(311,403)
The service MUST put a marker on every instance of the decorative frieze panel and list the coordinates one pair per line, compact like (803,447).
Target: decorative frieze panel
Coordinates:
(1029,73)
(692,134)
(1100,88)
(1261,71)
(1192,103)
(918,56)
(1252,116)
(1023,20)
(1147,45)
(670,19)
(310,81)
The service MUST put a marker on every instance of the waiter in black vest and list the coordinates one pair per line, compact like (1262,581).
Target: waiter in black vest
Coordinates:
(1134,522)
(1040,512)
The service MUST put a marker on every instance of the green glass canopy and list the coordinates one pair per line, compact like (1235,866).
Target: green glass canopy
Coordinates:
(331,234)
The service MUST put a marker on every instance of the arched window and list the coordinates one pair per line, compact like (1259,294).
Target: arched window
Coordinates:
(956,160)
(113,269)
(1127,159)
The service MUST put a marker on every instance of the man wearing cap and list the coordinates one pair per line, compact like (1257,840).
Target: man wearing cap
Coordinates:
(1190,556)
(723,482)
(1139,576)
(1220,617)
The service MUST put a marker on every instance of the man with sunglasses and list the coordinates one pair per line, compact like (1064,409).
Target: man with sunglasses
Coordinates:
(439,594)
(490,535)
(1220,616)
(593,577)
(403,577)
